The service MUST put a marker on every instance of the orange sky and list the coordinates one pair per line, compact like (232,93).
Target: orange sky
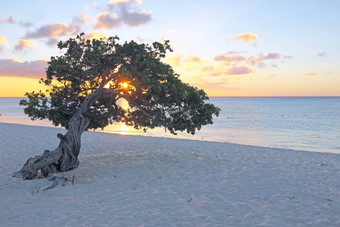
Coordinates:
(18,86)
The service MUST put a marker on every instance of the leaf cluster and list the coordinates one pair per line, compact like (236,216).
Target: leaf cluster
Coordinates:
(131,71)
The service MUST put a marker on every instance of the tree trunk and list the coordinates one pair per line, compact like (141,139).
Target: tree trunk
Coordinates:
(65,156)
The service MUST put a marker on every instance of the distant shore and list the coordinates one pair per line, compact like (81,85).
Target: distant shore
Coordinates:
(136,180)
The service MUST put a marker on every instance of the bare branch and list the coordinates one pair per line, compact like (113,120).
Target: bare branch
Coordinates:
(110,77)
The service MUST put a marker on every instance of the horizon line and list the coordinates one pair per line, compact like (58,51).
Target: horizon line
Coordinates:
(241,96)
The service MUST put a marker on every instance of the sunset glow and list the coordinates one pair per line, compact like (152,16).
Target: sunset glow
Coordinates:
(124,129)
(125,85)
(238,48)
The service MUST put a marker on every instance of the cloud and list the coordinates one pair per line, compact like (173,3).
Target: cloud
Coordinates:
(193,58)
(91,6)
(113,3)
(52,41)
(8,20)
(246,37)
(287,57)
(12,20)
(26,24)
(223,65)
(28,69)
(219,66)
(134,18)
(52,32)
(229,58)
(121,12)
(321,54)
(238,70)
(258,59)
(254,60)
(78,22)
(310,74)
(22,44)
(107,20)
(270,56)
(3,41)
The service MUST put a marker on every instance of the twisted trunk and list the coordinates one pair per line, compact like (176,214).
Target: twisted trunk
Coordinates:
(65,156)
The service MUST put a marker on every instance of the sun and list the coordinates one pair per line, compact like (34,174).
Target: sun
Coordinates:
(122,85)
(124,129)
(125,85)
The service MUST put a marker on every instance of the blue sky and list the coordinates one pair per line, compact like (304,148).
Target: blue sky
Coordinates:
(249,48)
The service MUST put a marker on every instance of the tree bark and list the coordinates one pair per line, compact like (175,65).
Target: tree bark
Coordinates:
(65,156)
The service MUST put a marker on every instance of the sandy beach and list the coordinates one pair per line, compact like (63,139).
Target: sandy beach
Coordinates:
(146,181)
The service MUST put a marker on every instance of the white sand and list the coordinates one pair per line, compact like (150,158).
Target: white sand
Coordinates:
(144,181)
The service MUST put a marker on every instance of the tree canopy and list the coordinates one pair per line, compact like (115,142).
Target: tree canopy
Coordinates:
(107,71)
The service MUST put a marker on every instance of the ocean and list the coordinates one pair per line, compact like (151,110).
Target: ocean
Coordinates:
(300,123)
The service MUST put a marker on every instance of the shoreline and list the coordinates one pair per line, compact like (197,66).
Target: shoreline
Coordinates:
(139,180)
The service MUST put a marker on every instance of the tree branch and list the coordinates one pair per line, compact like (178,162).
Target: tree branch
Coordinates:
(61,111)
(110,77)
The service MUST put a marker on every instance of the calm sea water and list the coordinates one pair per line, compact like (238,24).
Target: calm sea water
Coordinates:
(302,123)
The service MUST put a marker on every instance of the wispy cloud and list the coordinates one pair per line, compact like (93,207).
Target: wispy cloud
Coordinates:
(13,20)
(28,69)
(246,59)
(221,65)
(25,24)
(269,56)
(238,70)
(9,20)
(113,3)
(308,74)
(79,21)
(22,44)
(121,12)
(224,65)
(91,6)
(246,37)
(322,54)
(258,60)
(229,58)
(210,74)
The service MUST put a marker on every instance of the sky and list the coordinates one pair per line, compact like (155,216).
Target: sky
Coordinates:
(226,47)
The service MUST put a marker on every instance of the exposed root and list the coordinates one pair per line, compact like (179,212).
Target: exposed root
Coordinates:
(58,179)
(61,159)
(65,156)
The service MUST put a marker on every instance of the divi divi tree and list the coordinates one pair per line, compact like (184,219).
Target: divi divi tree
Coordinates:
(84,88)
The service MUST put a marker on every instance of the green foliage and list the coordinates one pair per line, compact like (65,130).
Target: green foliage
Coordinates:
(131,71)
